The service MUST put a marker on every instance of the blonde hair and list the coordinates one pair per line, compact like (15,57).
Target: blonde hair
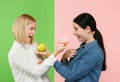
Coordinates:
(18,28)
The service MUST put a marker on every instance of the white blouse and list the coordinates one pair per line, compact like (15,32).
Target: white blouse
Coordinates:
(24,63)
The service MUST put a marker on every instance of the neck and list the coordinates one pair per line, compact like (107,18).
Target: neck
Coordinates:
(90,39)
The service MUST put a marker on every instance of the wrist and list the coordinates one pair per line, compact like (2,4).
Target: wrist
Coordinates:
(46,55)
(55,54)
(63,60)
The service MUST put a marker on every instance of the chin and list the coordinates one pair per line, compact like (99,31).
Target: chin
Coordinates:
(81,41)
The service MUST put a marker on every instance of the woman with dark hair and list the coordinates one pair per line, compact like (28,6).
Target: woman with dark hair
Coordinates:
(86,62)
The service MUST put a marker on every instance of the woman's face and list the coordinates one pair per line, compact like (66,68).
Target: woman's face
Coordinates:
(30,31)
(79,32)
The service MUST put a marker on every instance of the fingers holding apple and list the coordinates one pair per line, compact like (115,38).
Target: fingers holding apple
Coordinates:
(41,47)
(43,50)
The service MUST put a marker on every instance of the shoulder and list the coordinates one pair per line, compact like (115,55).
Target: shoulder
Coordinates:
(34,44)
(96,53)
(16,51)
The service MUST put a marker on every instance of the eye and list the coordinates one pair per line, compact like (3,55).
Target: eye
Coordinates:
(32,28)
(75,28)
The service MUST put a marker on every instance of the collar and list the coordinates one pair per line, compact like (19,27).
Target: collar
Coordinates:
(21,44)
(89,45)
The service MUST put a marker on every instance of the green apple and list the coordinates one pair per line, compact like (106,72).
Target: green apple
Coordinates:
(41,47)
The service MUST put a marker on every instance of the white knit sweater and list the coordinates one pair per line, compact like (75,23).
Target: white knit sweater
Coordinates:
(24,63)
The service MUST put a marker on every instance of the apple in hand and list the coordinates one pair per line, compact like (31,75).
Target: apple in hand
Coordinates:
(41,47)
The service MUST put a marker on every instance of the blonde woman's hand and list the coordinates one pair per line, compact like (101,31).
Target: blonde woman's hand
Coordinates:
(59,48)
(68,54)
(46,53)
(40,61)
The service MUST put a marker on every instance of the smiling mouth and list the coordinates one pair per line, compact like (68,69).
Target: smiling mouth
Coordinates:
(30,37)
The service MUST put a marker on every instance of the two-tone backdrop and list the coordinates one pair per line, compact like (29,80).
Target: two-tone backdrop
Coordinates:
(54,20)
(42,11)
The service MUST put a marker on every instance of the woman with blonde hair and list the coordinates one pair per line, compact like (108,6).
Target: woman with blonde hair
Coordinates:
(23,60)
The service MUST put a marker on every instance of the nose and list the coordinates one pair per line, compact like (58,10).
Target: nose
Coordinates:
(74,32)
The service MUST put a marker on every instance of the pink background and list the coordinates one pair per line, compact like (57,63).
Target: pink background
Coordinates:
(107,15)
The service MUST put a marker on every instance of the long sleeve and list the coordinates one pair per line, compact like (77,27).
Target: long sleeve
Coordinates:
(80,68)
(28,64)
(25,67)
(85,65)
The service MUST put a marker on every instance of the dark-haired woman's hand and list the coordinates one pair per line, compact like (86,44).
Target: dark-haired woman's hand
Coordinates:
(68,54)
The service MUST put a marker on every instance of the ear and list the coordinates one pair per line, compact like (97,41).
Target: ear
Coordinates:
(87,29)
